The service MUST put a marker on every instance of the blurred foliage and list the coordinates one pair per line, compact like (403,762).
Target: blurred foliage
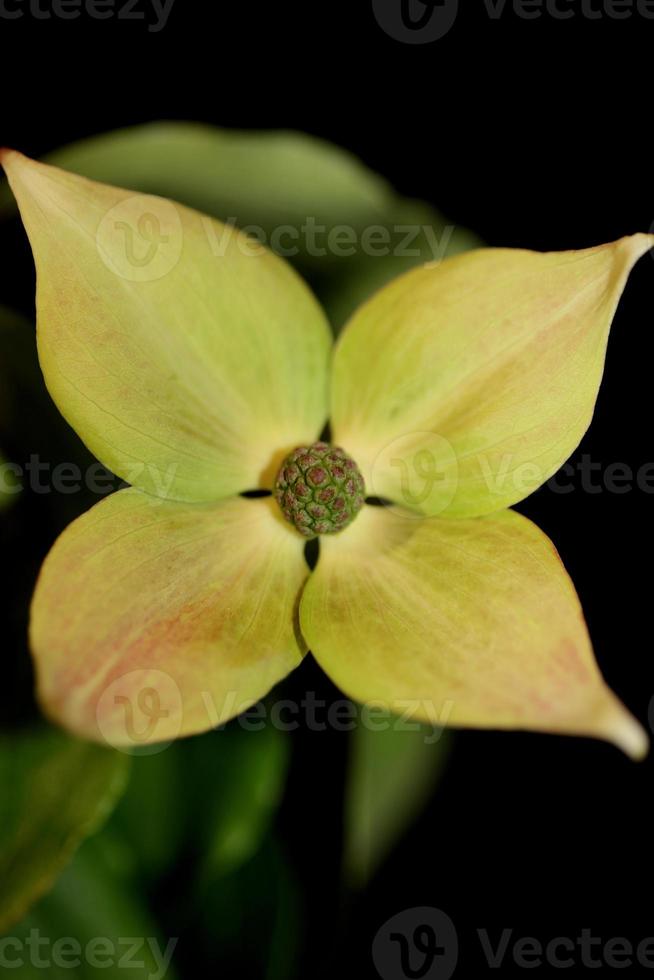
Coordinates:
(150,819)
(248,923)
(419,235)
(96,906)
(206,807)
(275,181)
(392,773)
(236,782)
(55,792)
(267,179)
(219,793)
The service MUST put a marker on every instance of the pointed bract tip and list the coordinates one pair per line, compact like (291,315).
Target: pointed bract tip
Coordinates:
(638,245)
(617,725)
(7,154)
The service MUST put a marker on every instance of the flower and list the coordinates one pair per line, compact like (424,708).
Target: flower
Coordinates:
(194,363)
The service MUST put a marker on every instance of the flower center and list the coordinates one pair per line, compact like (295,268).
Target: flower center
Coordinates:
(319,489)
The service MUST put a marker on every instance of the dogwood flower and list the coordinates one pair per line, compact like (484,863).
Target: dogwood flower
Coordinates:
(197,366)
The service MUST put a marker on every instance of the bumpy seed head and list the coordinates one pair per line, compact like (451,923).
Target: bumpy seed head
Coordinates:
(319,489)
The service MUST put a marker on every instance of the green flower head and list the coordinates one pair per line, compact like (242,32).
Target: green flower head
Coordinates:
(319,489)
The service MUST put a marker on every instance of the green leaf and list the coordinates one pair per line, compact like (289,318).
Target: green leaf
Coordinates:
(249,921)
(392,772)
(274,180)
(412,234)
(239,776)
(219,793)
(268,179)
(81,929)
(54,792)
(152,813)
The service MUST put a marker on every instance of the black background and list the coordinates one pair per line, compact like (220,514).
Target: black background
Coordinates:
(533,133)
